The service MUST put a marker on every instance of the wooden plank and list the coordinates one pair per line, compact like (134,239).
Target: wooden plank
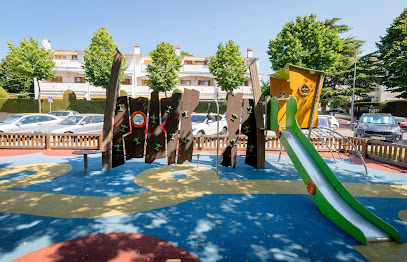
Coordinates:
(185,146)
(111,94)
(120,128)
(259,111)
(233,112)
(155,135)
(170,111)
(135,142)
(249,129)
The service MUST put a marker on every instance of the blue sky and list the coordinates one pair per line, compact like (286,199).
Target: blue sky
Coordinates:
(197,26)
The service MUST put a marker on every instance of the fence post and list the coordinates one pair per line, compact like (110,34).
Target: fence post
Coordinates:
(365,145)
(47,141)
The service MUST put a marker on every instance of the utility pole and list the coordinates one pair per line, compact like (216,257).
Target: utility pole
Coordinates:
(353,93)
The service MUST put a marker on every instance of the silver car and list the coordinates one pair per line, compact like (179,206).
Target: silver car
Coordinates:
(378,127)
(77,124)
(26,123)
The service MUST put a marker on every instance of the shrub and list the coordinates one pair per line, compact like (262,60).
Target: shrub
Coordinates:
(69,95)
(123,93)
(3,93)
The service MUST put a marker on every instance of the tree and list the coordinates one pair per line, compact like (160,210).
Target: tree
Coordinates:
(25,62)
(339,82)
(183,53)
(392,54)
(265,87)
(227,66)
(162,73)
(98,59)
(14,82)
(305,42)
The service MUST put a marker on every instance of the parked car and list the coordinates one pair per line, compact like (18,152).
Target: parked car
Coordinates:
(26,123)
(402,123)
(62,113)
(323,121)
(334,111)
(331,121)
(206,124)
(379,127)
(82,123)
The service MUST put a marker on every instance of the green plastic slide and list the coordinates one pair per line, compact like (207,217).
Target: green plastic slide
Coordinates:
(331,197)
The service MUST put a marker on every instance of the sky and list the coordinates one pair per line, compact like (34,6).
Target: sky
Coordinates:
(197,26)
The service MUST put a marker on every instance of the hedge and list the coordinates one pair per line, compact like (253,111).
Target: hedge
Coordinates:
(396,108)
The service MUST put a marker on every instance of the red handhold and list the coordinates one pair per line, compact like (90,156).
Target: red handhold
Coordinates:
(310,187)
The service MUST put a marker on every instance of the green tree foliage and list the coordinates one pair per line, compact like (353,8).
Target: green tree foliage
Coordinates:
(98,59)
(162,73)
(338,84)
(183,53)
(392,54)
(305,42)
(265,88)
(227,66)
(23,63)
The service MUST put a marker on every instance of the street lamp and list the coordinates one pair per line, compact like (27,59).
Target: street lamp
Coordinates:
(353,93)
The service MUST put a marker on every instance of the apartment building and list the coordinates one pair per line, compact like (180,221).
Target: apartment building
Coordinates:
(193,74)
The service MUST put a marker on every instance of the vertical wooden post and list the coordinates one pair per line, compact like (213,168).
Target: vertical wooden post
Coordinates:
(47,141)
(259,111)
(111,94)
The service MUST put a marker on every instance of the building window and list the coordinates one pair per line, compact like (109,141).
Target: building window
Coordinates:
(201,62)
(203,82)
(246,83)
(144,82)
(79,79)
(57,79)
(148,62)
(188,62)
(126,81)
(186,82)
(75,57)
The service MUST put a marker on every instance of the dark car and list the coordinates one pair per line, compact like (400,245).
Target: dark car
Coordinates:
(402,121)
(379,127)
(334,111)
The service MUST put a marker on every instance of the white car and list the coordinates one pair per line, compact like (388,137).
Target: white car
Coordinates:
(62,113)
(332,122)
(26,123)
(206,124)
(77,124)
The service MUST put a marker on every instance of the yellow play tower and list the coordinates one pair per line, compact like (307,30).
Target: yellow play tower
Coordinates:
(303,83)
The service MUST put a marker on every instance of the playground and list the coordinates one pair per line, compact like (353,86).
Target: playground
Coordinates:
(137,199)
(52,211)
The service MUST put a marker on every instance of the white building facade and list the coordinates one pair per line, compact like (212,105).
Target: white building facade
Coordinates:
(193,74)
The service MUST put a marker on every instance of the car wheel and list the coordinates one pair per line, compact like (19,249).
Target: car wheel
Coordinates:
(404,129)
(224,131)
(200,132)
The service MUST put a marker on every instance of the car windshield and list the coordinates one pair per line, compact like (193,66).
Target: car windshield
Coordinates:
(197,118)
(73,120)
(10,119)
(377,119)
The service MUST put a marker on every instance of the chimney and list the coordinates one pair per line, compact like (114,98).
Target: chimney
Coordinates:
(136,49)
(249,52)
(46,43)
(178,50)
